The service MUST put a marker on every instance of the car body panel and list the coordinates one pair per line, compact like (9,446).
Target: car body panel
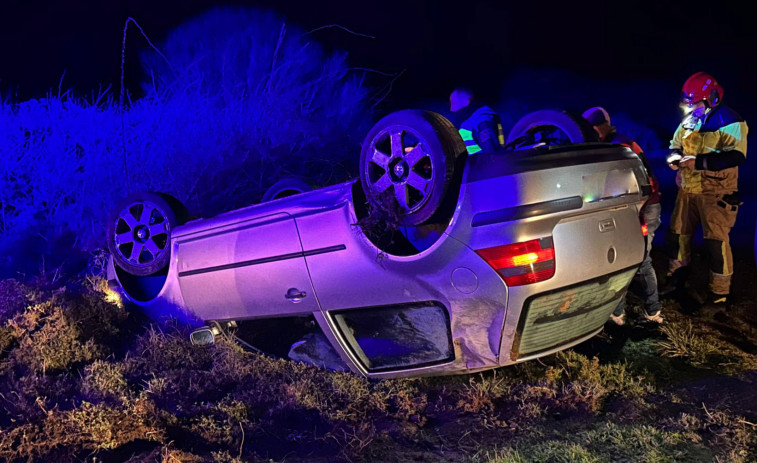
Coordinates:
(225,273)
(374,278)
(589,209)
(240,265)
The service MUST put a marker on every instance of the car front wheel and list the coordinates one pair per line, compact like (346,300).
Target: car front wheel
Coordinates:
(139,231)
(407,164)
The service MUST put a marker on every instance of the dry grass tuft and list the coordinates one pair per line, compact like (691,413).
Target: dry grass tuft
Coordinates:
(481,392)
(572,383)
(65,330)
(88,427)
(223,423)
(612,377)
(49,340)
(105,381)
(684,342)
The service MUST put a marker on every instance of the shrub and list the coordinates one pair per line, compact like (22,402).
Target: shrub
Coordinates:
(287,106)
(254,99)
(64,330)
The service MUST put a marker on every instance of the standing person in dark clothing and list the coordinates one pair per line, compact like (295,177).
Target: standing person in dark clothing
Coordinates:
(645,280)
(478,124)
(708,147)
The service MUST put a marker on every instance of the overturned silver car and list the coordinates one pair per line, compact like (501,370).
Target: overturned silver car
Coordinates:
(431,263)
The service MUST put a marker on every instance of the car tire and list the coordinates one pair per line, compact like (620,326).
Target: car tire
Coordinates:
(550,127)
(286,187)
(140,241)
(407,164)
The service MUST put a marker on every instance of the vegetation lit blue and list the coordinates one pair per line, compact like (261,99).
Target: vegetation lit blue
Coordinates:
(236,100)
(244,100)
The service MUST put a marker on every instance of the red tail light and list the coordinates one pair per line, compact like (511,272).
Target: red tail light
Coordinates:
(522,263)
(644,229)
(653,183)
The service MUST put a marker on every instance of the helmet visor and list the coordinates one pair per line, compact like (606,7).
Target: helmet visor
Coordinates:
(689,99)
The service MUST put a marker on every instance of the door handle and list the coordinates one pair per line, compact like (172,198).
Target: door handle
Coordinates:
(295,295)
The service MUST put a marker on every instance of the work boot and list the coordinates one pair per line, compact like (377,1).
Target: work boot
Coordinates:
(674,283)
(718,301)
(716,305)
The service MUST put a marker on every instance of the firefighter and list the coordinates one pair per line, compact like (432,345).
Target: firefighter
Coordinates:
(708,147)
(479,125)
(644,284)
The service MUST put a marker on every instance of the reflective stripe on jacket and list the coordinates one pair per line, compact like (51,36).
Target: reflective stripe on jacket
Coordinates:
(470,143)
(719,131)
(471,128)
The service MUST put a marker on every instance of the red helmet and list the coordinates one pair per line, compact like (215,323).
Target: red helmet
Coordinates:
(702,87)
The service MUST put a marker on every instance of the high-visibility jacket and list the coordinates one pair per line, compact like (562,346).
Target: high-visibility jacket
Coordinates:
(718,140)
(478,127)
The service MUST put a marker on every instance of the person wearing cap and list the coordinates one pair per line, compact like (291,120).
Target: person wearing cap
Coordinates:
(708,147)
(644,284)
(479,126)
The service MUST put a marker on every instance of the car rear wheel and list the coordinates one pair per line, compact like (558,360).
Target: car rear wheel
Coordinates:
(139,231)
(549,127)
(286,187)
(407,164)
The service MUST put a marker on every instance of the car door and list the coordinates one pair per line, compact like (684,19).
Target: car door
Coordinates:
(246,269)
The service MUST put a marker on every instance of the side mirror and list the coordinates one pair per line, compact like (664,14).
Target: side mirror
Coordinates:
(204,336)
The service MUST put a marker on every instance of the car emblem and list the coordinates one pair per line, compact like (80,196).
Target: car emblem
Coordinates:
(606,225)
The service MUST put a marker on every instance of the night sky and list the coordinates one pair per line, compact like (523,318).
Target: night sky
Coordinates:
(436,43)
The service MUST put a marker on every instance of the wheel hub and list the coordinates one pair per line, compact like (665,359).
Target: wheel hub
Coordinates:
(141,233)
(398,170)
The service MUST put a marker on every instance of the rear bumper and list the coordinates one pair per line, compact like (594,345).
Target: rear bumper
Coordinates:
(557,319)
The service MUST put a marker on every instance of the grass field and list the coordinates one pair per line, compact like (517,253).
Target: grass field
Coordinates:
(85,379)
